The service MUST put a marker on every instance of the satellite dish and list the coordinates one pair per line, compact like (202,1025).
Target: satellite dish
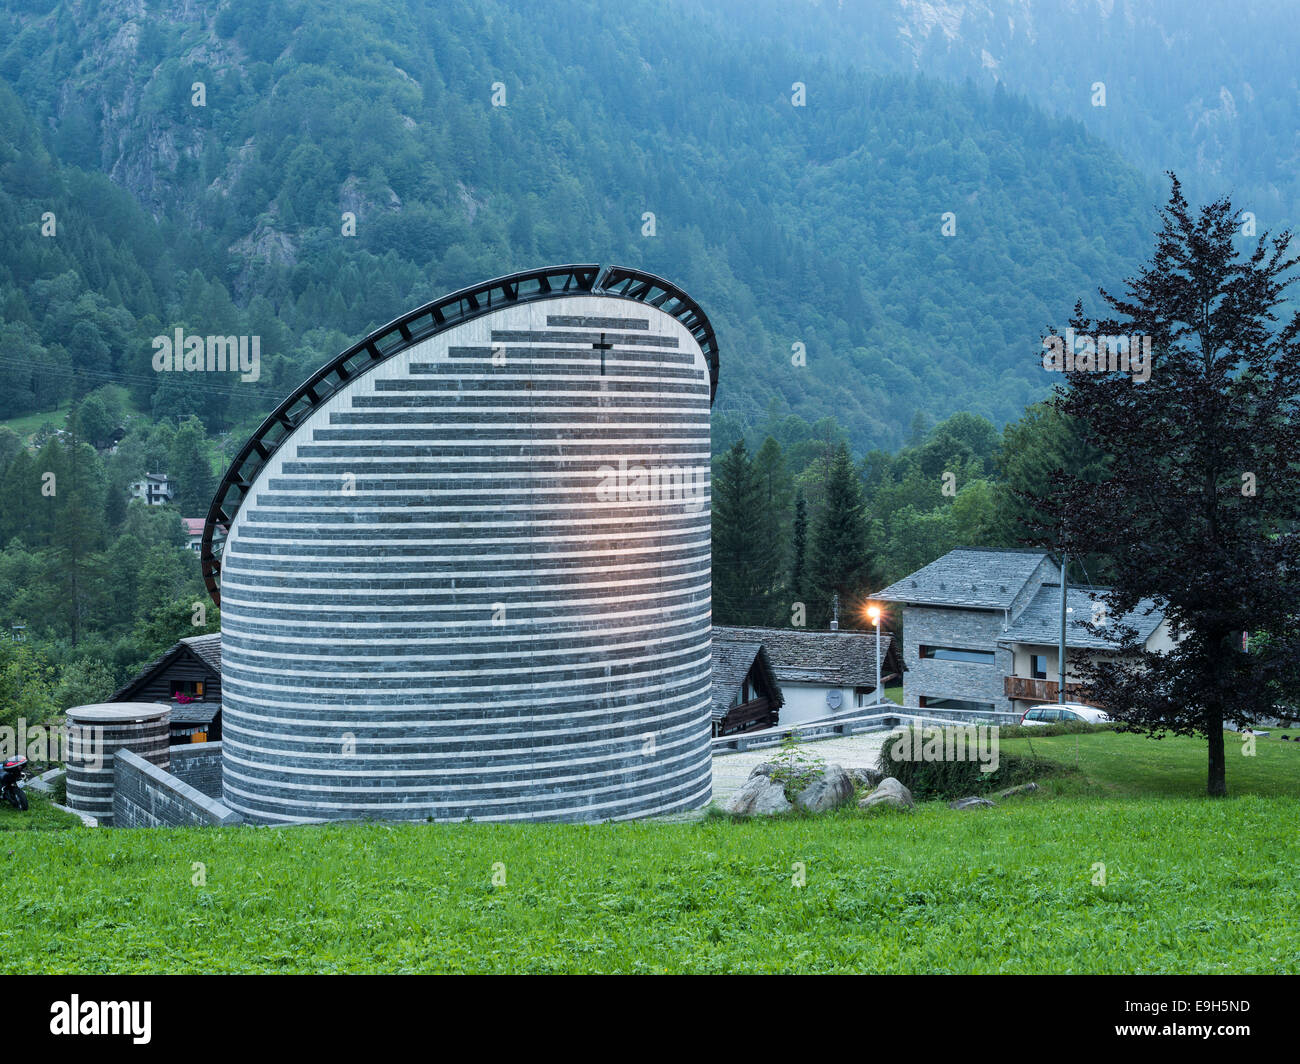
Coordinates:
(834,698)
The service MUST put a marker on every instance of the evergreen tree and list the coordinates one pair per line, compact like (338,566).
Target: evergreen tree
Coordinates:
(79,532)
(189,468)
(841,561)
(745,566)
(799,548)
(1043,444)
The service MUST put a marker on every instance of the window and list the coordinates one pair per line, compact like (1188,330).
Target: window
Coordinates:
(746,692)
(1038,666)
(979,657)
(956,703)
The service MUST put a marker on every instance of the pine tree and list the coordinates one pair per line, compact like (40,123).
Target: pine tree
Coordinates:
(745,566)
(799,548)
(191,471)
(840,562)
(79,531)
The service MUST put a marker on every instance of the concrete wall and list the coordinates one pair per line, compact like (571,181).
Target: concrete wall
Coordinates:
(199,765)
(145,796)
(430,610)
(808,702)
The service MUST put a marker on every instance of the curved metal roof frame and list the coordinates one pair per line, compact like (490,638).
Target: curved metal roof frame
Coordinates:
(530,286)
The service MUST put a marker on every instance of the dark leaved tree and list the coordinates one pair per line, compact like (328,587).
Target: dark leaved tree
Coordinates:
(1198,511)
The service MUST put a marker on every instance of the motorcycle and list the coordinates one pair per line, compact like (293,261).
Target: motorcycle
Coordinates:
(11,774)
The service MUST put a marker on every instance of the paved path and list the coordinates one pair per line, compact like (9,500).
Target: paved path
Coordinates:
(731,770)
(858,751)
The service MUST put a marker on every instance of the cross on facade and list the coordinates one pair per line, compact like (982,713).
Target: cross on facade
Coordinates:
(602,347)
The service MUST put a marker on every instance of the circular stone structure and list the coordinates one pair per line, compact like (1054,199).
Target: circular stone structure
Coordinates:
(95,734)
(466,566)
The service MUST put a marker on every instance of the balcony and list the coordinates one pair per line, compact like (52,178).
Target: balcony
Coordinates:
(1027,689)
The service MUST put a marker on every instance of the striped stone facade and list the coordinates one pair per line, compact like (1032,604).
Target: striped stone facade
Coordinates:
(465,587)
(95,734)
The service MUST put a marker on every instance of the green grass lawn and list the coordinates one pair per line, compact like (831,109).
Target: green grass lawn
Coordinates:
(40,815)
(1191,885)
(1135,766)
(26,425)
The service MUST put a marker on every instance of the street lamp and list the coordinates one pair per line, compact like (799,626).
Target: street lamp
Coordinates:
(873,611)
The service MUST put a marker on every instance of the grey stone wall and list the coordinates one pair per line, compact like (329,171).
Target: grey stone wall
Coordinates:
(432,608)
(199,765)
(966,628)
(146,796)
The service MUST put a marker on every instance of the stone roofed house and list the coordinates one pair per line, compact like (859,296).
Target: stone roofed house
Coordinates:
(820,672)
(981,627)
(191,669)
(1034,640)
(746,693)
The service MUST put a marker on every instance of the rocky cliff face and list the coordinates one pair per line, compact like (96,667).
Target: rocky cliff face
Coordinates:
(127,64)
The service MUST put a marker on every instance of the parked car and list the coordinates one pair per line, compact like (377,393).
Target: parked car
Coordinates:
(1066,713)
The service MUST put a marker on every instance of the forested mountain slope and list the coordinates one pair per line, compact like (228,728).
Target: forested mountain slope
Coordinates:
(817,225)
(1208,89)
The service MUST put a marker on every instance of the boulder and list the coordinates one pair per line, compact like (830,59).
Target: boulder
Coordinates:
(971,803)
(866,777)
(830,788)
(1024,788)
(765,769)
(759,796)
(889,792)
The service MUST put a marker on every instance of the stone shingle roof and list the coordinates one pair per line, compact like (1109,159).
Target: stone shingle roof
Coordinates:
(208,647)
(829,659)
(732,661)
(975,577)
(194,712)
(1040,621)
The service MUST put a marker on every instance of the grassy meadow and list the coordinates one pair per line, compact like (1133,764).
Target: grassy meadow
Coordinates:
(1190,885)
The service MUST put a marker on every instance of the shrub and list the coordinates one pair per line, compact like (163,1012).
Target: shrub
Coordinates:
(1043,731)
(953,777)
(796,767)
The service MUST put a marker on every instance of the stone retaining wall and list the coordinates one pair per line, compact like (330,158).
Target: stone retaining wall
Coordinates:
(146,796)
(199,765)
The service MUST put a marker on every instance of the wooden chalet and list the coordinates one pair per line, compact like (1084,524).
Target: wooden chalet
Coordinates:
(188,679)
(745,691)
